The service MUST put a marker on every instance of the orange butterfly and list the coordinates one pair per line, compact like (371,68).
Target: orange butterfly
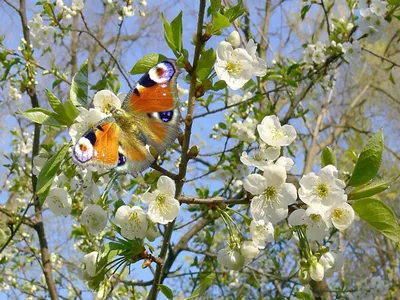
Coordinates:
(149,115)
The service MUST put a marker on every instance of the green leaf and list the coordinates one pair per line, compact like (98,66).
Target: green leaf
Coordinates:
(371,189)
(235,12)
(55,103)
(166,291)
(71,111)
(49,171)
(378,215)
(205,64)
(205,283)
(215,5)
(328,157)
(220,22)
(79,86)
(146,63)
(304,11)
(42,116)
(173,33)
(369,161)
(219,85)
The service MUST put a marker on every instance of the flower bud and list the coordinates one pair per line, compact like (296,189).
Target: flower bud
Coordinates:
(90,262)
(234,39)
(194,151)
(249,249)
(230,258)
(316,271)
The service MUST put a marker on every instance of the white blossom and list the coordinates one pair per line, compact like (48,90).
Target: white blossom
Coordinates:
(230,258)
(234,66)
(104,100)
(332,262)
(352,51)
(59,202)
(133,221)
(341,215)
(324,189)
(314,219)
(378,7)
(245,130)
(38,163)
(261,232)
(90,261)
(274,134)
(272,194)
(95,218)
(77,5)
(261,157)
(163,207)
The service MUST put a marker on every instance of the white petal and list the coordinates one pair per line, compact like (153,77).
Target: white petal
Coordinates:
(316,272)
(272,153)
(122,214)
(231,259)
(275,175)
(286,162)
(59,202)
(287,194)
(258,208)
(136,224)
(277,214)
(166,185)
(224,51)
(90,261)
(290,135)
(246,159)
(328,173)
(298,217)
(150,197)
(255,184)
(249,249)
(104,100)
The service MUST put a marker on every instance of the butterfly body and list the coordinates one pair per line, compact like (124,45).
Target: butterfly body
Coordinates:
(149,116)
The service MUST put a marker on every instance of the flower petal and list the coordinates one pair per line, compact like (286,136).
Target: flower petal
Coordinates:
(255,184)
(166,185)
(298,217)
(122,214)
(275,175)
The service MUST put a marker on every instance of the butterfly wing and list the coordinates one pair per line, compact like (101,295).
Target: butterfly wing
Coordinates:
(155,100)
(105,145)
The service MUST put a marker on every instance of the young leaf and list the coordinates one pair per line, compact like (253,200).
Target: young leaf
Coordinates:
(328,157)
(205,64)
(304,11)
(173,34)
(378,215)
(79,86)
(55,103)
(220,22)
(146,63)
(166,291)
(371,189)
(235,12)
(49,171)
(42,116)
(71,111)
(205,283)
(369,161)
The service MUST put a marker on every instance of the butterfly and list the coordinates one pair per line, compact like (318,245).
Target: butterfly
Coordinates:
(149,116)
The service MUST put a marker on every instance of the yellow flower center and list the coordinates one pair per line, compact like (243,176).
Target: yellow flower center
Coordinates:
(277,134)
(337,214)
(234,67)
(322,190)
(315,217)
(107,104)
(160,203)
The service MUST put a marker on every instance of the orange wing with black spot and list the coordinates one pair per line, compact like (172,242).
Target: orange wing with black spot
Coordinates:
(155,97)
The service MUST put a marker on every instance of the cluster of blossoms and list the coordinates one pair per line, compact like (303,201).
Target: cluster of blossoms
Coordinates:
(14,94)
(126,8)
(323,194)
(40,34)
(236,65)
(372,20)
(134,222)
(68,12)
